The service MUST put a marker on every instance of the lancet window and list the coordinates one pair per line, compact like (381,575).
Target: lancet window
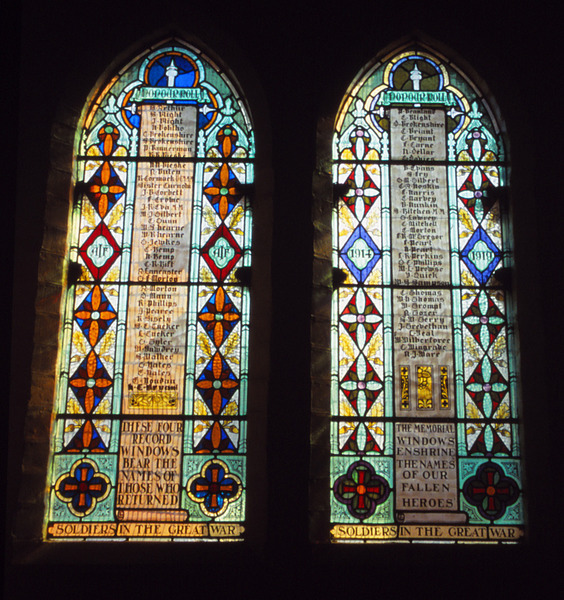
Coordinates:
(424,411)
(149,430)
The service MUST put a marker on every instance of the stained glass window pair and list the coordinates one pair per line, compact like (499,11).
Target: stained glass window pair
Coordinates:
(149,433)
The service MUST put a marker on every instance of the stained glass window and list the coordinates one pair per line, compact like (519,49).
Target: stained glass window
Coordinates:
(149,430)
(424,421)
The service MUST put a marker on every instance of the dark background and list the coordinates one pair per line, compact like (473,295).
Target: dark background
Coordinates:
(296,61)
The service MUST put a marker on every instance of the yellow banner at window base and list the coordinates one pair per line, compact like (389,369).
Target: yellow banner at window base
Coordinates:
(179,531)
(463,533)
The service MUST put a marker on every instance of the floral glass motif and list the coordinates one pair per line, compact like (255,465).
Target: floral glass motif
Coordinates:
(153,368)
(361,490)
(82,487)
(214,488)
(424,442)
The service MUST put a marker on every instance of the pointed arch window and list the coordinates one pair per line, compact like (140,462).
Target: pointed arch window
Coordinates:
(149,432)
(424,413)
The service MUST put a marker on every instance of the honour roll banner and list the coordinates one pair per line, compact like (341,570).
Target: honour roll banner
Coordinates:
(420,232)
(155,356)
(423,353)
(425,455)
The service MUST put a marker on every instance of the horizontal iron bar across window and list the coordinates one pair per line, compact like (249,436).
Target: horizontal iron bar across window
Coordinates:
(446,286)
(146,417)
(446,163)
(161,283)
(166,159)
(427,420)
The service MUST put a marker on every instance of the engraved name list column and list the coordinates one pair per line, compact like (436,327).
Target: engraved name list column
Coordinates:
(150,453)
(425,443)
